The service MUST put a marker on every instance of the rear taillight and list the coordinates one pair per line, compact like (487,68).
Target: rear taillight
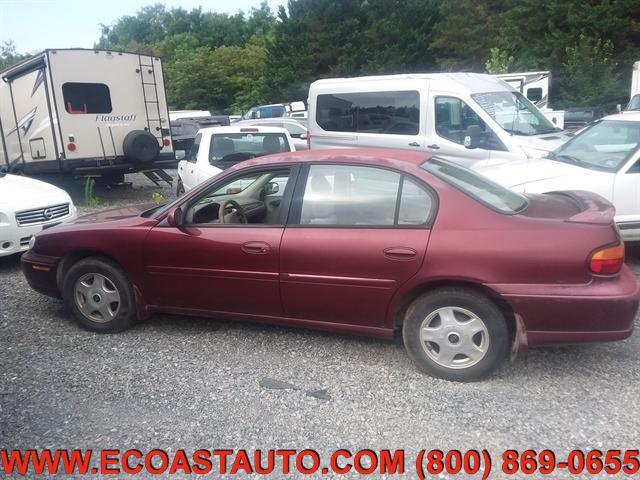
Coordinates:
(607,261)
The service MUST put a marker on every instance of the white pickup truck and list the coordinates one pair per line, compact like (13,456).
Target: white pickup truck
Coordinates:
(217,148)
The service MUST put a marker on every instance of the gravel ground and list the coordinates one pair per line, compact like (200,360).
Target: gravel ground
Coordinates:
(181,382)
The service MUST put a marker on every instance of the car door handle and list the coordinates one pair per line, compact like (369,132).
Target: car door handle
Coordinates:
(414,144)
(400,253)
(433,146)
(259,248)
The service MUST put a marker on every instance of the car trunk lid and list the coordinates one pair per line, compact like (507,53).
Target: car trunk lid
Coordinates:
(573,206)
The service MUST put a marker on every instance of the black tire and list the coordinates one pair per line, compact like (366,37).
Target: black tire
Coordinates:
(141,146)
(92,269)
(179,188)
(493,340)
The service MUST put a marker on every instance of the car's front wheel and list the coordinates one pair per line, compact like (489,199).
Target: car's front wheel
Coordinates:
(456,334)
(99,294)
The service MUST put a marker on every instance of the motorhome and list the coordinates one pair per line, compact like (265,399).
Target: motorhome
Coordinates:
(535,86)
(466,117)
(85,112)
(634,101)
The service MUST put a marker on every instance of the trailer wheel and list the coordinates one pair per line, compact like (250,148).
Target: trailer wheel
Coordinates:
(141,146)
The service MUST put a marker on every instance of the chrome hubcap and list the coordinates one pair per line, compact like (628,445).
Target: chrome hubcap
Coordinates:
(454,337)
(97,297)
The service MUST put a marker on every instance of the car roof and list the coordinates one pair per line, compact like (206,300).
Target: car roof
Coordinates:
(242,129)
(471,82)
(399,159)
(628,116)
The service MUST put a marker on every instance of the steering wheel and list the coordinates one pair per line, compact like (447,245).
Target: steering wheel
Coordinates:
(236,210)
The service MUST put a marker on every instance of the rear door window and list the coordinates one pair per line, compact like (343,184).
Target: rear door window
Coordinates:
(392,113)
(349,195)
(81,98)
(477,186)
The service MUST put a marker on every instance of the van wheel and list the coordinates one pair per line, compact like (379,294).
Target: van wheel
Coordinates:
(98,293)
(456,334)
(179,189)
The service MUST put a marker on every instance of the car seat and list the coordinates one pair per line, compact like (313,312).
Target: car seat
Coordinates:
(222,147)
(318,207)
(271,144)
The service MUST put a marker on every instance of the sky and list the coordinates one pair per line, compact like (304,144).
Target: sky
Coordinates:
(34,25)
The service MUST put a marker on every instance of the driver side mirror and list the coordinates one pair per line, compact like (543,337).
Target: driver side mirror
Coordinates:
(303,136)
(619,108)
(176,218)
(180,154)
(472,136)
(271,188)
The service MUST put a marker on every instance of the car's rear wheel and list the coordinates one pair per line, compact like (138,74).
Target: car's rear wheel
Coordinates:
(456,334)
(179,188)
(99,294)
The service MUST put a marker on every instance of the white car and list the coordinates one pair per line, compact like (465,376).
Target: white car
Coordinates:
(26,207)
(296,129)
(217,148)
(603,158)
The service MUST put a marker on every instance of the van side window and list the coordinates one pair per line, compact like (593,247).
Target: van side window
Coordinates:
(392,113)
(453,116)
(86,98)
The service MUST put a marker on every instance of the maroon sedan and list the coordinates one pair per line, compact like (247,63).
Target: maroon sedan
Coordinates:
(359,241)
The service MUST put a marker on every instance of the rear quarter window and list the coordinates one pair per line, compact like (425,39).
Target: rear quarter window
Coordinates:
(477,186)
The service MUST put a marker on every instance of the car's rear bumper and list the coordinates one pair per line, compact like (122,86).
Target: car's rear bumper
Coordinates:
(601,311)
(41,273)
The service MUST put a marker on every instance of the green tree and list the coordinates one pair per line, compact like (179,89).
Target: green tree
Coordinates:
(499,61)
(589,74)
(463,38)
(9,56)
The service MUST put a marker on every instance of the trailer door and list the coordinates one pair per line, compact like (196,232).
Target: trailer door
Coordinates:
(28,124)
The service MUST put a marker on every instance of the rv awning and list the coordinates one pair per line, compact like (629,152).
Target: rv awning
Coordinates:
(27,66)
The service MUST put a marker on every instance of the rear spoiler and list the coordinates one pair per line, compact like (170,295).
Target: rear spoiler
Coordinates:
(593,208)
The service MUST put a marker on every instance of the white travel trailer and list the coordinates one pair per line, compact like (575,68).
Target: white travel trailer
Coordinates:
(634,101)
(535,86)
(85,112)
(467,117)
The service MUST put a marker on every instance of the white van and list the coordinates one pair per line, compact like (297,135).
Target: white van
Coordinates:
(535,86)
(465,117)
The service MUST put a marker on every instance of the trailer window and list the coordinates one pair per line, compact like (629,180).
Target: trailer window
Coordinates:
(82,98)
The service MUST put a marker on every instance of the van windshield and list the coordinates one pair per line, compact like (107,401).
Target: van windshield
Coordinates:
(514,113)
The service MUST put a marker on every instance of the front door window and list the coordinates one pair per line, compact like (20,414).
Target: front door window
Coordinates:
(251,198)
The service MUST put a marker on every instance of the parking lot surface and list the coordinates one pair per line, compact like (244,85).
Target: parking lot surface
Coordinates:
(184,382)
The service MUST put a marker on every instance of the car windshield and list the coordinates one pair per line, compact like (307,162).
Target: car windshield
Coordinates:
(514,113)
(232,146)
(606,145)
(477,186)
